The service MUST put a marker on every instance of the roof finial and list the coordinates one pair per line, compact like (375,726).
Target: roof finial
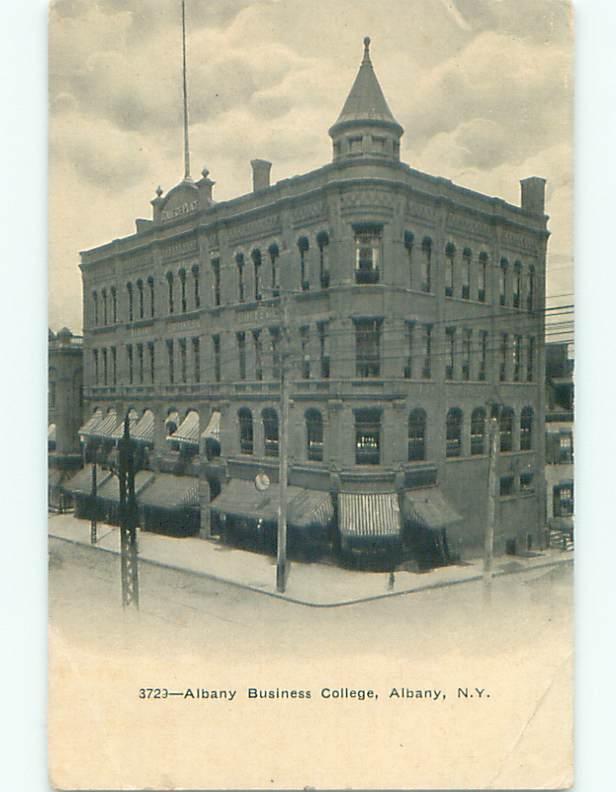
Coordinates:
(366,50)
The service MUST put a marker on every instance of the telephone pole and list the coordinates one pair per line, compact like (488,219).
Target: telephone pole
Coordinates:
(93,531)
(128,521)
(281,552)
(488,557)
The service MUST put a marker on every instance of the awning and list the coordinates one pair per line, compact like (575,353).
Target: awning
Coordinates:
(171,492)
(428,507)
(143,431)
(376,515)
(51,433)
(305,507)
(81,482)
(106,426)
(188,431)
(92,423)
(110,489)
(564,524)
(212,430)
(118,432)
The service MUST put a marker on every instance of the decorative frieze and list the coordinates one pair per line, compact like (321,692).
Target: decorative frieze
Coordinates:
(419,210)
(308,212)
(513,239)
(179,247)
(367,199)
(470,226)
(255,229)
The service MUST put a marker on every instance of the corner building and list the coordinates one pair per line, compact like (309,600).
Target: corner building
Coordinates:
(416,311)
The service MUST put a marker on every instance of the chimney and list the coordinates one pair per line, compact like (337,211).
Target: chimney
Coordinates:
(533,195)
(260,174)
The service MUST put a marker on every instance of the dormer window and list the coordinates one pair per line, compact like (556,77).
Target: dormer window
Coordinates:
(367,255)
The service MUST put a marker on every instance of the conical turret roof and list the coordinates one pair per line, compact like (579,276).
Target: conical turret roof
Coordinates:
(366,102)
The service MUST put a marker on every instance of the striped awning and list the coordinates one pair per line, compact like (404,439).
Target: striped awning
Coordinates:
(428,507)
(106,427)
(81,482)
(118,432)
(170,492)
(305,507)
(212,430)
(109,490)
(51,433)
(188,431)
(368,516)
(143,431)
(92,423)
(172,418)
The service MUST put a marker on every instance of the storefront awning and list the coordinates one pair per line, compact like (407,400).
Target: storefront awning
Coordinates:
(188,431)
(305,507)
(106,427)
(212,430)
(109,490)
(369,516)
(428,507)
(92,423)
(143,431)
(81,482)
(118,431)
(170,492)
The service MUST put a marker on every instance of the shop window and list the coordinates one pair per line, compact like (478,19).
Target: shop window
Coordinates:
(246,431)
(417,436)
(314,435)
(270,432)
(367,437)
(368,347)
(478,431)
(454,432)
(367,255)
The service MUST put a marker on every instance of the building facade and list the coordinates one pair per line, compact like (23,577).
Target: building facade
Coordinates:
(416,312)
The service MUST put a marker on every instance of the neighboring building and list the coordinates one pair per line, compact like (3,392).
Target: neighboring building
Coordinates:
(559,445)
(64,412)
(417,309)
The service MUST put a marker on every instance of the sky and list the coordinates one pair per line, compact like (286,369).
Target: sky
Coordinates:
(483,89)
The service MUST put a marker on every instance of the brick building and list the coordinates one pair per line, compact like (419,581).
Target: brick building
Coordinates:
(416,310)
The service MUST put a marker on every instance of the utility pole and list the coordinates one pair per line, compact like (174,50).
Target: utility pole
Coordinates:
(93,532)
(488,557)
(281,554)
(128,521)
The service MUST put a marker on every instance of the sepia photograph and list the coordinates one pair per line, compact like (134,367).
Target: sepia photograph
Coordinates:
(310,394)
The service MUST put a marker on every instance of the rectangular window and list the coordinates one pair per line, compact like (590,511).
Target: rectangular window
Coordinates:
(305,352)
(506,486)
(466,276)
(517,288)
(217,361)
(367,437)
(526,482)
(449,275)
(483,355)
(129,355)
(114,366)
(96,372)
(504,353)
(565,456)
(410,340)
(517,358)
(367,256)
(241,354)
(196,347)
(530,297)
(378,145)
(368,347)
(105,372)
(426,369)
(140,363)
(197,286)
(323,328)
(256,335)
(563,500)
(426,266)
(216,274)
(275,345)
(502,284)
(530,362)
(450,351)
(151,354)
(183,361)
(466,354)
(482,278)
(355,145)
(170,361)
(241,294)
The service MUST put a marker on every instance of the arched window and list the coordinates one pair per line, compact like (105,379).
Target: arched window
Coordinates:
(303,245)
(104,299)
(482,277)
(239,260)
(196,285)
(506,429)
(478,431)
(131,310)
(141,298)
(314,435)
(95,306)
(323,243)
(256,261)
(530,296)
(151,290)
(270,432)
(526,429)
(454,432)
(183,302)
(114,305)
(169,277)
(409,241)
(467,257)
(502,281)
(246,431)
(274,254)
(450,254)
(517,284)
(426,265)
(417,436)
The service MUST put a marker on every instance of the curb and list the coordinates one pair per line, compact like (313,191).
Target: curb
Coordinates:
(306,603)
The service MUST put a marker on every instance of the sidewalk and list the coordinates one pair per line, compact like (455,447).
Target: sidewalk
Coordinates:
(316,585)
